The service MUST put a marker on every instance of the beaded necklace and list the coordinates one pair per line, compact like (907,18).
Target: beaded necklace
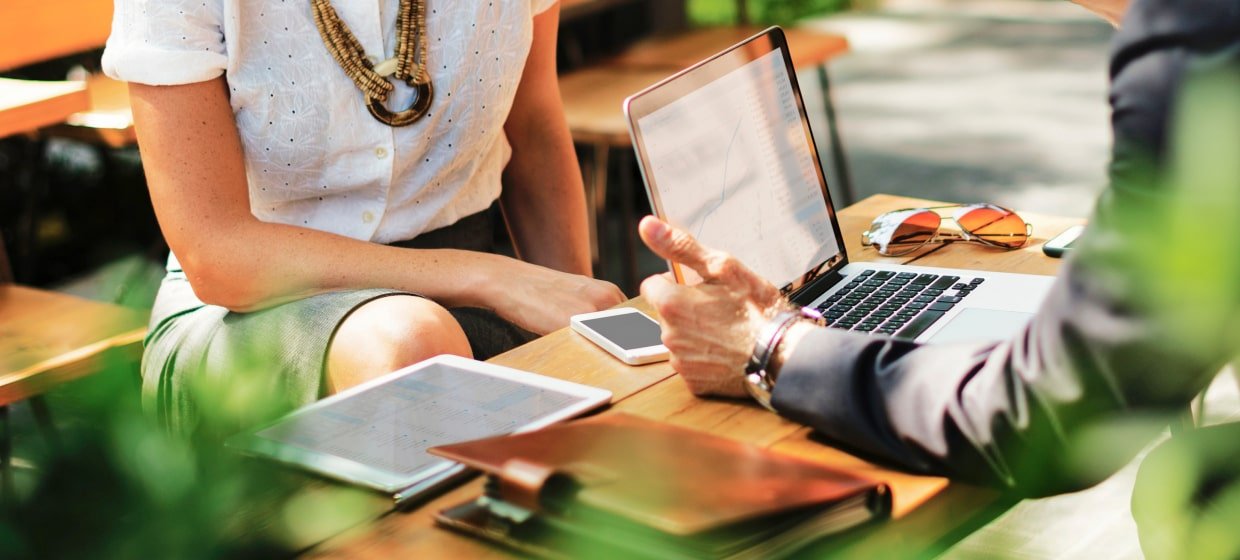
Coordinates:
(371,78)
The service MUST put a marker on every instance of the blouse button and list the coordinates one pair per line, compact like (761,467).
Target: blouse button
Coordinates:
(367,217)
(380,153)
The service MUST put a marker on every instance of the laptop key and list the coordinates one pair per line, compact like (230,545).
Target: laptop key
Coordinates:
(906,275)
(915,305)
(925,278)
(940,306)
(920,324)
(884,274)
(944,282)
(976,281)
(865,273)
(950,299)
(933,292)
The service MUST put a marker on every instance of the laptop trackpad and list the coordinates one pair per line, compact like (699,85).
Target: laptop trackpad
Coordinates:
(976,324)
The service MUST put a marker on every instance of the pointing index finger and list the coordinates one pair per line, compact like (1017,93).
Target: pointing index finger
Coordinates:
(675,245)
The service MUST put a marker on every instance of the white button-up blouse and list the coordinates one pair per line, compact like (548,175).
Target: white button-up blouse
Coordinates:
(314,155)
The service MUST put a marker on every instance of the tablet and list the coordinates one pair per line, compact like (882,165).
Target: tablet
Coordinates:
(376,434)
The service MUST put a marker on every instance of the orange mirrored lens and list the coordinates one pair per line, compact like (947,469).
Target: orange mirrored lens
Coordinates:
(916,230)
(995,226)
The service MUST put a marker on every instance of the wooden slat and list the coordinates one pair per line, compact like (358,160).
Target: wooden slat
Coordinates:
(594,100)
(48,338)
(573,9)
(108,120)
(808,49)
(38,30)
(27,105)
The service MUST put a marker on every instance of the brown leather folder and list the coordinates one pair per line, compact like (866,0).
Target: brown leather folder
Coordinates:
(621,486)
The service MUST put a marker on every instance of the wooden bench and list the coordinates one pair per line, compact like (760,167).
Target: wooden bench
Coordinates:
(34,31)
(49,338)
(593,99)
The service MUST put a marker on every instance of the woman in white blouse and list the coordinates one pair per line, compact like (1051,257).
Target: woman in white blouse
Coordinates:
(284,200)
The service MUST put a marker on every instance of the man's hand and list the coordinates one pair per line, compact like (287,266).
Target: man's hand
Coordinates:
(709,328)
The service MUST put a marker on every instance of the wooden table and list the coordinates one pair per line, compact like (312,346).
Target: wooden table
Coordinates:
(27,105)
(48,338)
(929,512)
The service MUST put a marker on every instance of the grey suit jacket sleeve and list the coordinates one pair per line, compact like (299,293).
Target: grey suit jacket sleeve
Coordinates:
(1106,339)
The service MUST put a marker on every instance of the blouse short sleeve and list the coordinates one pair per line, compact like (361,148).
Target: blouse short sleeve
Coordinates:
(541,6)
(166,42)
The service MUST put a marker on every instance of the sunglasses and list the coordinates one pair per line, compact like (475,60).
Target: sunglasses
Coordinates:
(901,232)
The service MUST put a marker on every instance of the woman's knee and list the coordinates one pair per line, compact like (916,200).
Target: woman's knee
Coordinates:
(389,333)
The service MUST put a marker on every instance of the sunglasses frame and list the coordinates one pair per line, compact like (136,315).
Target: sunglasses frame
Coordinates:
(941,236)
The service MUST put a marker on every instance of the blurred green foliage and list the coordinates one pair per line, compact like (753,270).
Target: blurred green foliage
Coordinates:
(115,483)
(1187,499)
(765,12)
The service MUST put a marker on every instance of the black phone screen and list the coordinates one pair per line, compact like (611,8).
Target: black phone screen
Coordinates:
(629,331)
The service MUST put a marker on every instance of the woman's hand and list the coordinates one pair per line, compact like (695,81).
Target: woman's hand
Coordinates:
(709,328)
(541,300)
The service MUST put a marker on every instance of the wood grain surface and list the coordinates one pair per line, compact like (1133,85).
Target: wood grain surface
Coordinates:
(929,512)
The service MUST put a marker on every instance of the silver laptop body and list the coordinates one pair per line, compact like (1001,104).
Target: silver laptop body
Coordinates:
(726,153)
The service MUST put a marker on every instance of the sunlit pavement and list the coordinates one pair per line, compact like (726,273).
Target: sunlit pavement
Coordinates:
(996,101)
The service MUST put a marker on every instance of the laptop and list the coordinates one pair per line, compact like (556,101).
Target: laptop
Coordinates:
(726,153)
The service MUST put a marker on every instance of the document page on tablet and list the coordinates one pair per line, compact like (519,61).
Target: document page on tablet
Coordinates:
(733,166)
(389,426)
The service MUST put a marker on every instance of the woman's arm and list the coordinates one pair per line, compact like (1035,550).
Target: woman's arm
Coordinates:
(544,201)
(194,164)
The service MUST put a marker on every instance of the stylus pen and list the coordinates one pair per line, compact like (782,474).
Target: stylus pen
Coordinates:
(431,486)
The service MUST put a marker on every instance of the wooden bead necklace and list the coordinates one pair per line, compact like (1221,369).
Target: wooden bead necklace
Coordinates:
(371,78)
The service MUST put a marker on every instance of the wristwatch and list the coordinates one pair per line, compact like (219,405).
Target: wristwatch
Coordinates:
(759,382)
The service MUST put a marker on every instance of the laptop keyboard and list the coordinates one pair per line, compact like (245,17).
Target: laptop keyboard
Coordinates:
(902,304)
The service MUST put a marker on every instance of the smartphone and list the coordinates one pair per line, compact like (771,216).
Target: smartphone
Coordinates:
(1060,244)
(626,333)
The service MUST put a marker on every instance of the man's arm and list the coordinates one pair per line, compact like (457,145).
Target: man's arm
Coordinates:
(1111,335)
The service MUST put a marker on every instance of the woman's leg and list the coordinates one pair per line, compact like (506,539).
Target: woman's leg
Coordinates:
(388,333)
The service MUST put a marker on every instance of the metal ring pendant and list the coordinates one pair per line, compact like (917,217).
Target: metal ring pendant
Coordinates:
(421,104)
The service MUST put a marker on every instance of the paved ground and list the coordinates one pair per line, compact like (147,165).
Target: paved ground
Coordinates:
(997,101)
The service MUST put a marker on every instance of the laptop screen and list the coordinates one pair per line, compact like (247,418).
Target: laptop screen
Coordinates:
(728,157)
